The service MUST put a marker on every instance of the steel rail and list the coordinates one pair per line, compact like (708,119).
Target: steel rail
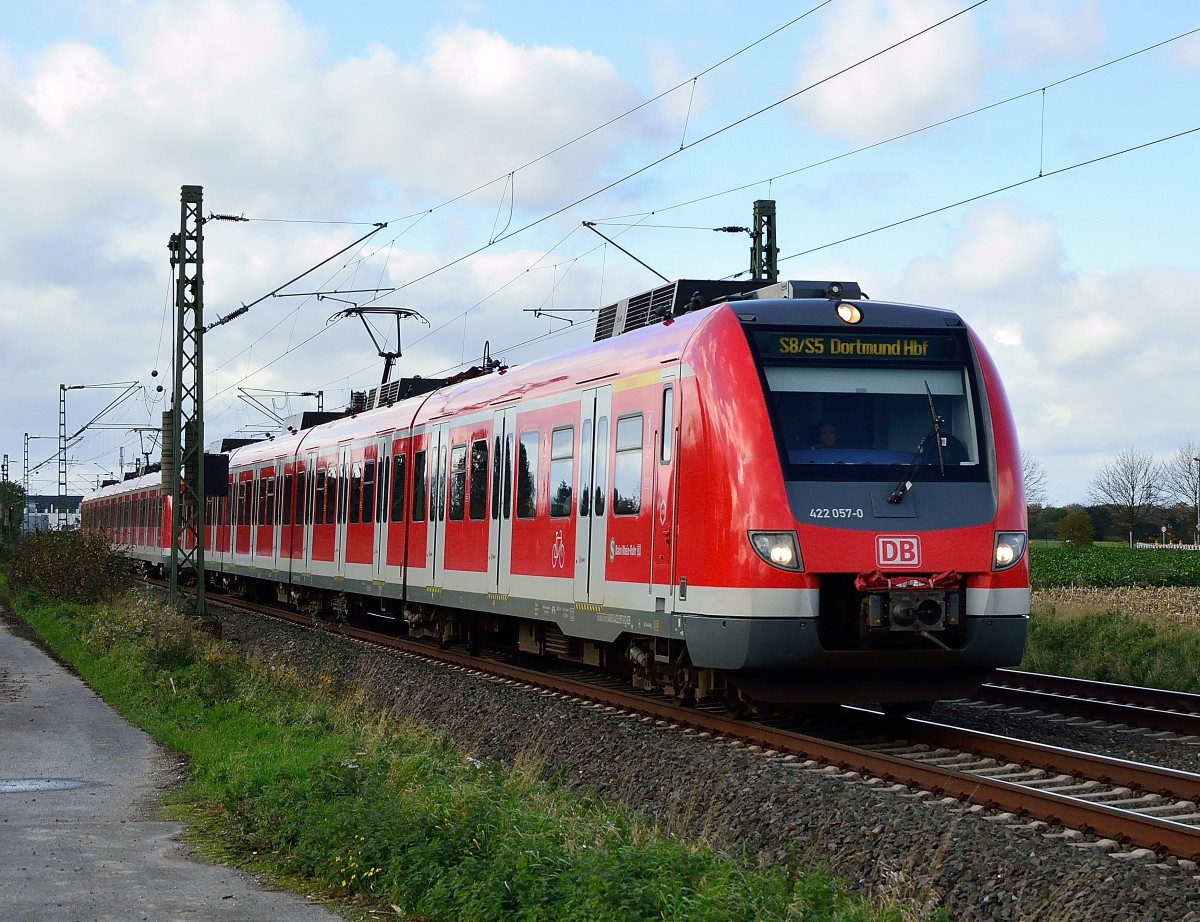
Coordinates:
(1168,782)
(1155,709)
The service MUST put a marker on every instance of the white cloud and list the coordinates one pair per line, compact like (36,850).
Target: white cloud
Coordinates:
(71,78)
(239,97)
(933,76)
(1089,358)
(1036,31)
(1187,53)
(476,105)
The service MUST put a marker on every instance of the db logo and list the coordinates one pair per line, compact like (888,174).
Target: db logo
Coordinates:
(897,551)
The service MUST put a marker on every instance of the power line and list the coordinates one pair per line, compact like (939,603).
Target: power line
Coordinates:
(990,192)
(689,146)
(686,146)
(628,112)
(903,135)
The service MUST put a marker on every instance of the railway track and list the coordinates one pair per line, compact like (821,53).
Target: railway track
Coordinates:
(1152,708)
(1125,805)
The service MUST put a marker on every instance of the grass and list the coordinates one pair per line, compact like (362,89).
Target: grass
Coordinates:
(1112,647)
(306,782)
(1070,637)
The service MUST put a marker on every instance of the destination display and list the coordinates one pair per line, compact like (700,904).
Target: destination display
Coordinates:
(900,347)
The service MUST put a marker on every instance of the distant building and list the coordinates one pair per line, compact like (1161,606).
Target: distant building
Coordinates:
(41,513)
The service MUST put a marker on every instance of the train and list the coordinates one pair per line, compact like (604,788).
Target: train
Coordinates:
(767,492)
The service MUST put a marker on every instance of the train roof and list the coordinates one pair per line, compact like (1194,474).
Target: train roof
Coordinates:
(634,332)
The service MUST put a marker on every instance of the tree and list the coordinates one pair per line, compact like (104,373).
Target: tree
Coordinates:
(1181,477)
(1131,484)
(1035,479)
(12,508)
(1075,530)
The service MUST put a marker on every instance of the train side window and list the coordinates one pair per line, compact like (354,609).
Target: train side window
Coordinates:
(333,483)
(319,502)
(627,472)
(375,490)
(458,482)
(496,469)
(441,485)
(508,451)
(269,501)
(419,486)
(343,492)
(368,492)
(562,449)
(383,482)
(477,509)
(527,471)
(355,487)
(585,468)
(398,488)
(331,488)
(301,497)
(601,465)
(667,436)
(289,488)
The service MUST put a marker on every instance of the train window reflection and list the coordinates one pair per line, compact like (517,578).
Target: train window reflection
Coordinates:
(478,486)
(876,416)
(562,449)
(458,482)
(627,471)
(527,465)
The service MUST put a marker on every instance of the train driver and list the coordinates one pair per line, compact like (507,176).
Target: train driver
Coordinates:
(826,436)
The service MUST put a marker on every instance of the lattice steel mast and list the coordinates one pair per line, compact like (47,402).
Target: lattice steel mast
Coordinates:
(764,254)
(183,458)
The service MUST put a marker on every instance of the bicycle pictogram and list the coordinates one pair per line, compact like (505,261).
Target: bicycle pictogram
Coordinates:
(558,555)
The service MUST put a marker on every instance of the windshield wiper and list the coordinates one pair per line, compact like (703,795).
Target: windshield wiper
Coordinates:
(905,483)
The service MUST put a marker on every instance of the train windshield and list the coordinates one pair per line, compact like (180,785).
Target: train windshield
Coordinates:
(846,406)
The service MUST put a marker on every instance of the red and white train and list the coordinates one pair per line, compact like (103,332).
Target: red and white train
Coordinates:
(789,494)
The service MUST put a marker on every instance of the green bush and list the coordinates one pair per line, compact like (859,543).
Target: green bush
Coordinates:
(68,566)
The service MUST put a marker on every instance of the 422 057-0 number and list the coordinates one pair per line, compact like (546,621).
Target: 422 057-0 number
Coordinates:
(835,513)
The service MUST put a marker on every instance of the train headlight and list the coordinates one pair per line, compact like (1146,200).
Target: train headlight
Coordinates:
(849,313)
(1010,548)
(778,548)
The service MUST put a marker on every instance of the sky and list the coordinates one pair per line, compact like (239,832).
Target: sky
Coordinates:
(1030,164)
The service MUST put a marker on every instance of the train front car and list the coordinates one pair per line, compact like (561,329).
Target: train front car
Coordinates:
(878,548)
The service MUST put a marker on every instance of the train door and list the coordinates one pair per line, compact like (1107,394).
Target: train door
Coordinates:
(439,446)
(666,476)
(243,491)
(341,539)
(265,529)
(291,539)
(591,525)
(383,482)
(309,502)
(504,428)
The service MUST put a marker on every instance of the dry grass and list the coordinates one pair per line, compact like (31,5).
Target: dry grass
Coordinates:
(1175,604)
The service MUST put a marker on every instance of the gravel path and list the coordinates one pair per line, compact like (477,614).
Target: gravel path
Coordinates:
(895,844)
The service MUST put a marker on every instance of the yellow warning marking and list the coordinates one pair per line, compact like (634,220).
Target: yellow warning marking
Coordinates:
(642,380)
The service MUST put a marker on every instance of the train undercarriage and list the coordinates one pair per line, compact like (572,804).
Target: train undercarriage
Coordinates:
(849,621)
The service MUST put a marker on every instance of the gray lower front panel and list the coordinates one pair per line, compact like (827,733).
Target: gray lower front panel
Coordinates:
(781,660)
(792,643)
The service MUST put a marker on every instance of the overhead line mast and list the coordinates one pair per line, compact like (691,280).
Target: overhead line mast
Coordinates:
(183,458)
